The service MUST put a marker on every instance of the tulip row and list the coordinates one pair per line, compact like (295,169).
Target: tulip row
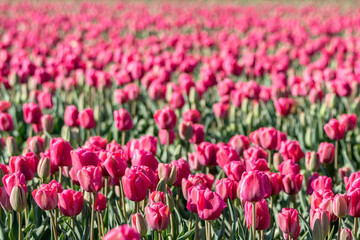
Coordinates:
(155,121)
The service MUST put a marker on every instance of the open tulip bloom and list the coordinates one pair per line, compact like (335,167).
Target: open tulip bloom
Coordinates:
(152,120)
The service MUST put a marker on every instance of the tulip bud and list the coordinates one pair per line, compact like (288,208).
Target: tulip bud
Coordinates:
(18,199)
(331,100)
(193,96)
(308,136)
(139,223)
(47,123)
(44,168)
(317,234)
(341,205)
(277,160)
(186,130)
(65,133)
(312,161)
(345,234)
(74,135)
(161,187)
(168,172)
(256,110)
(97,112)
(81,102)
(170,201)
(325,225)
(302,119)
(11,146)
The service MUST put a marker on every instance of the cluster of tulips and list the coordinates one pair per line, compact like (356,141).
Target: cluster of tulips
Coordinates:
(161,121)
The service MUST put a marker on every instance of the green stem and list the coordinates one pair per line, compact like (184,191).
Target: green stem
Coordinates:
(60,174)
(159,235)
(92,217)
(122,138)
(172,225)
(339,229)
(20,228)
(355,227)
(123,200)
(207,230)
(54,225)
(136,207)
(197,228)
(98,223)
(253,220)
(230,219)
(336,159)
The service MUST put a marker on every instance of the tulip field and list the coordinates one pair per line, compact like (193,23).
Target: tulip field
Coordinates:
(169,120)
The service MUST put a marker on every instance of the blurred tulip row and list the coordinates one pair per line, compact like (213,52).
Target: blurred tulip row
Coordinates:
(162,121)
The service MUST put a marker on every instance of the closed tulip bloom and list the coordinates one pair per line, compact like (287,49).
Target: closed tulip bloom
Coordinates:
(326,152)
(124,232)
(71,116)
(254,186)
(90,178)
(354,210)
(60,152)
(138,222)
(177,100)
(24,165)
(209,205)
(165,118)
(207,153)
(334,130)
(284,106)
(70,203)
(351,179)
(5,201)
(82,157)
(157,216)
(221,110)
(322,182)
(46,197)
(348,121)
(255,152)
(276,183)
(122,119)
(36,144)
(226,188)
(341,205)
(262,215)
(289,167)
(326,204)
(12,180)
(120,96)
(226,154)
(45,100)
(268,138)
(183,170)
(100,203)
(259,164)
(345,234)
(114,165)
(309,189)
(192,115)
(6,122)
(291,150)
(166,136)
(86,118)
(292,183)
(194,163)
(198,134)
(32,113)
(146,158)
(136,184)
(288,220)
(240,143)
(148,143)
(234,170)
